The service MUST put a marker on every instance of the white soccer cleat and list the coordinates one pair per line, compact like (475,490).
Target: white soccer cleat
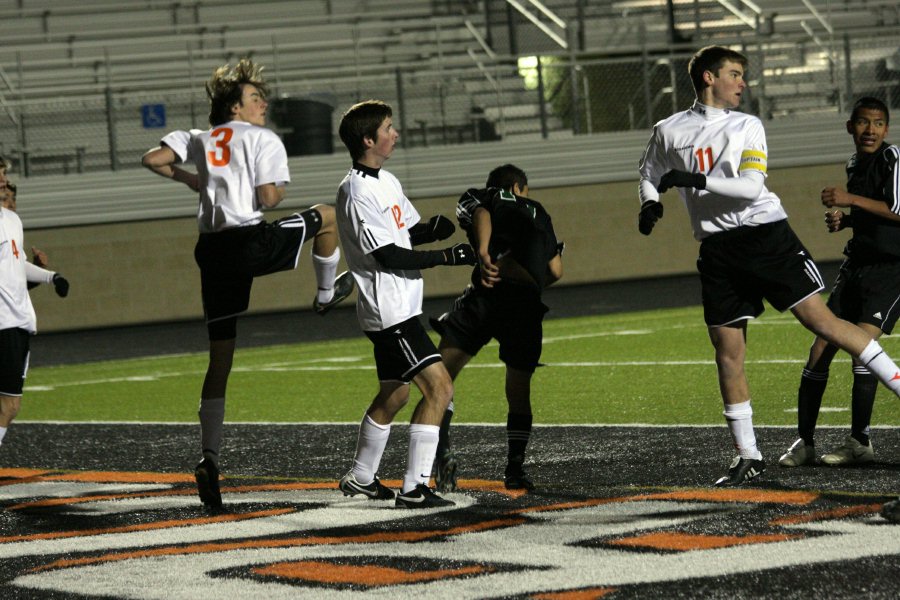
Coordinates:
(851,452)
(798,454)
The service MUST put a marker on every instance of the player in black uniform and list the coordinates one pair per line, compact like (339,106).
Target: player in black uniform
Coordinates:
(519,256)
(867,289)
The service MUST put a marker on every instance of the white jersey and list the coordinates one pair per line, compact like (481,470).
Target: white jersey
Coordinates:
(721,144)
(231,161)
(372,212)
(16,310)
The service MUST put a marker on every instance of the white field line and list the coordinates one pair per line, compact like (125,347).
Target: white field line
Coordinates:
(355,424)
(345,363)
(294,367)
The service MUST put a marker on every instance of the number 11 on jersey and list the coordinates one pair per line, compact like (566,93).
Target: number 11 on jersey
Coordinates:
(704,158)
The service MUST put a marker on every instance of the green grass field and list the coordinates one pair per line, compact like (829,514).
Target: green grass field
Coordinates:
(652,367)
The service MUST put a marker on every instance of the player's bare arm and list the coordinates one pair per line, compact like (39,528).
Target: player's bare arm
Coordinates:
(270,195)
(161,160)
(834,196)
(554,270)
(39,257)
(482,228)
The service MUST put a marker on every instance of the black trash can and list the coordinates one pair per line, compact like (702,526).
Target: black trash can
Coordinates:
(305,125)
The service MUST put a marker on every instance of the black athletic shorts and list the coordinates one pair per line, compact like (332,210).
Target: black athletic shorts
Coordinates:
(14,353)
(511,314)
(741,267)
(868,293)
(230,259)
(402,351)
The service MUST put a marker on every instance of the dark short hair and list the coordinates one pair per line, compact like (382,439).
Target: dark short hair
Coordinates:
(361,121)
(505,176)
(711,58)
(226,87)
(870,103)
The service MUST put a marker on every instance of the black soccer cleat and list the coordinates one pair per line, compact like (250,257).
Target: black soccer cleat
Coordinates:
(421,497)
(373,491)
(343,287)
(518,481)
(445,465)
(516,478)
(891,511)
(741,471)
(207,475)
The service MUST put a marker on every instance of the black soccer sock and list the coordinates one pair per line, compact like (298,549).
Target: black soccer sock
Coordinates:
(865,385)
(518,432)
(809,400)
(444,434)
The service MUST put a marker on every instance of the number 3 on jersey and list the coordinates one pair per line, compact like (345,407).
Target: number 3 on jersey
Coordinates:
(704,159)
(222,154)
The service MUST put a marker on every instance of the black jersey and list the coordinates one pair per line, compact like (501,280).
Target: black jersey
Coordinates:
(875,176)
(521,228)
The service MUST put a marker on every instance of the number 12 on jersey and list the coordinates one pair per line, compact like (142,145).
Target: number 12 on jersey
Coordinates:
(704,158)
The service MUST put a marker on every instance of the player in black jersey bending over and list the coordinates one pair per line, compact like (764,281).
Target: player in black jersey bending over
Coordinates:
(519,256)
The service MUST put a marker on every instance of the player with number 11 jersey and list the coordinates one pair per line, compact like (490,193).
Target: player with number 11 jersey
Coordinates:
(729,149)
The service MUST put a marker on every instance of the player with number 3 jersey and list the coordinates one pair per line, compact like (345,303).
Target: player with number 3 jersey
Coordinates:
(241,169)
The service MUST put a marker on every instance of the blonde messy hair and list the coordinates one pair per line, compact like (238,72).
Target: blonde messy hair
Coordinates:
(226,85)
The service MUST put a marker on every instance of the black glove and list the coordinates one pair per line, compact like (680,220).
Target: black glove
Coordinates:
(61,284)
(460,254)
(651,212)
(681,179)
(440,227)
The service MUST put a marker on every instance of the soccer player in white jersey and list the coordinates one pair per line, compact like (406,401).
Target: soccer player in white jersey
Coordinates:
(378,228)
(8,199)
(717,157)
(17,318)
(241,169)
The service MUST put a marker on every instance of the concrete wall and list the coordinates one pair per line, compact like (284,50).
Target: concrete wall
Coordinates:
(144,272)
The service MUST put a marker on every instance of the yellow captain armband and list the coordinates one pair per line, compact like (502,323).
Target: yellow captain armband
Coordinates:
(755,160)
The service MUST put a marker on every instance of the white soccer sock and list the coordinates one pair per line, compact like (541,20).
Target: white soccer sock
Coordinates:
(2,434)
(740,421)
(370,445)
(881,365)
(326,268)
(423,442)
(212,422)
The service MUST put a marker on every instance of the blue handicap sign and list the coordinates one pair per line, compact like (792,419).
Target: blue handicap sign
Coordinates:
(153,116)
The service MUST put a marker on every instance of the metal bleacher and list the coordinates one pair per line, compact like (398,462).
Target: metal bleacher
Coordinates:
(74,71)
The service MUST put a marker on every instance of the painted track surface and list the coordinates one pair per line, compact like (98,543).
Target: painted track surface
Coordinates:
(621,512)
(102,510)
